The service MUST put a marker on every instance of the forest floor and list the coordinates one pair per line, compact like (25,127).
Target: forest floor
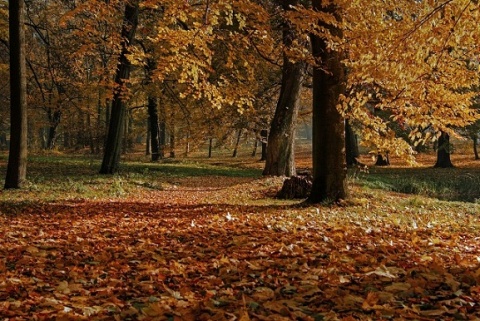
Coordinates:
(203,239)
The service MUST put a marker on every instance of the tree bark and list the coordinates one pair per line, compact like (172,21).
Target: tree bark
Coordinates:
(351,145)
(237,142)
(54,120)
(255,146)
(264,137)
(172,142)
(154,128)
(475,150)
(443,152)
(382,161)
(329,81)
(113,146)
(162,138)
(280,157)
(147,142)
(17,157)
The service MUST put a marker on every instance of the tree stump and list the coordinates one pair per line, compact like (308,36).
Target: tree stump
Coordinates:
(382,161)
(296,187)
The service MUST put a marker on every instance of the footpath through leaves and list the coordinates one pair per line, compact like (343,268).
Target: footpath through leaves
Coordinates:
(184,253)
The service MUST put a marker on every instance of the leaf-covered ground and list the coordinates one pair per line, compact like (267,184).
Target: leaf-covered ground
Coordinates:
(221,248)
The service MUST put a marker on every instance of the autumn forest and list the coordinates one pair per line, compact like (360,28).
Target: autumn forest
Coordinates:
(239,160)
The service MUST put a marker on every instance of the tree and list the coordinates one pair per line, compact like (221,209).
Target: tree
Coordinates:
(351,145)
(329,82)
(111,158)
(17,158)
(418,67)
(443,151)
(280,157)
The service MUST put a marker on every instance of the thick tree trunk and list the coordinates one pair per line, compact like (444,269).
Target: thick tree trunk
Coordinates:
(111,158)
(443,151)
(17,157)
(351,145)
(280,158)
(329,81)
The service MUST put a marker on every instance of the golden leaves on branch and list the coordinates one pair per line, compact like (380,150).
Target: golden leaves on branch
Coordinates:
(415,61)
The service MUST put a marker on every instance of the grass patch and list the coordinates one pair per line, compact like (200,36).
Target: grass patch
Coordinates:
(59,177)
(451,184)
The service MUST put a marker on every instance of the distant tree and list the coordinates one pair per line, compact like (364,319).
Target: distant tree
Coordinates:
(17,158)
(111,158)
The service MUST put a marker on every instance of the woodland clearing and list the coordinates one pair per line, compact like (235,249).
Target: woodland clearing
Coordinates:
(200,239)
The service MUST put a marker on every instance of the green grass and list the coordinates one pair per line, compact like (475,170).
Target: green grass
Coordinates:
(451,184)
(57,177)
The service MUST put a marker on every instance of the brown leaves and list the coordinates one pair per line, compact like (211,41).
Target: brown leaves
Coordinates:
(147,261)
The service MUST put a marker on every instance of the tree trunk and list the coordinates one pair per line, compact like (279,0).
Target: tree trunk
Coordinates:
(351,145)
(264,136)
(475,151)
(91,142)
(210,147)
(280,158)
(147,142)
(237,142)
(172,142)
(154,128)
(162,139)
(54,120)
(382,161)
(255,146)
(111,158)
(329,161)
(443,151)
(17,157)
(187,144)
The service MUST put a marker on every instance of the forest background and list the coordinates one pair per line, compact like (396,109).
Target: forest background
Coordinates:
(174,239)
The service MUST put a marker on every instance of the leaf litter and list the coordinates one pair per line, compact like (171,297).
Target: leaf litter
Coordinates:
(233,253)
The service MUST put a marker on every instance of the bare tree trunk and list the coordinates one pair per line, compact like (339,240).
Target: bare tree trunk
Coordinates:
(443,151)
(162,138)
(154,128)
(111,158)
(475,150)
(264,135)
(54,120)
(237,142)
(17,157)
(280,160)
(147,142)
(382,161)
(172,142)
(329,81)
(187,144)
(351,145)
(255,146)
(210,147)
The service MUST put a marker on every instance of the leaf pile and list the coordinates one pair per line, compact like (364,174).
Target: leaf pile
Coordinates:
(186,254)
